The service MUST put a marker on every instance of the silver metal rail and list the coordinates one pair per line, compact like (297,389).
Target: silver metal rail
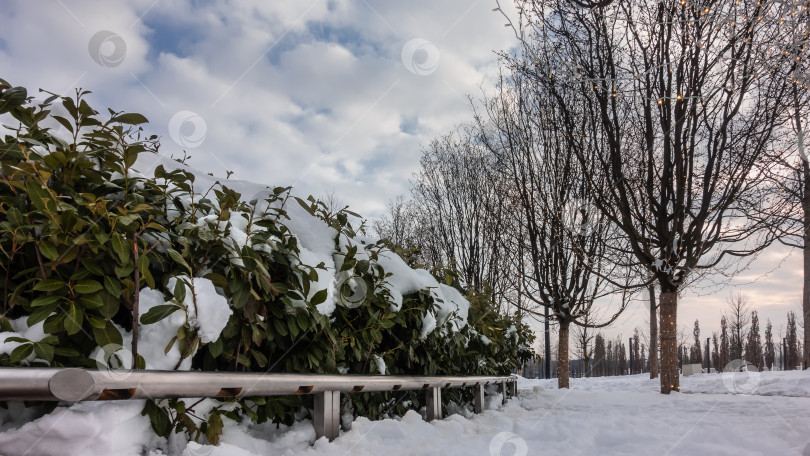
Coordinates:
(73,385)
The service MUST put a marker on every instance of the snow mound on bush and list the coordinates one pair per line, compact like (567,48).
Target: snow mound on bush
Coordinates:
(316,240)
(207,310)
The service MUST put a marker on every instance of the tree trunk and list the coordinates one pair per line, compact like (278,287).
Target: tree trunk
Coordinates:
(806,293)
(669,342)
(804,173)
(562,356)
(653,334)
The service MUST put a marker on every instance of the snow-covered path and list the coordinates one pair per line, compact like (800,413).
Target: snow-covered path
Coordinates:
(613,415)
(598,416)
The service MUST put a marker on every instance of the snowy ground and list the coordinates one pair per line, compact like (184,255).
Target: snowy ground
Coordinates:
(612,415)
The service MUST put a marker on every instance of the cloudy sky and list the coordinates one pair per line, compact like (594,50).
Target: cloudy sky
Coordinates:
(323,95)
(318,94)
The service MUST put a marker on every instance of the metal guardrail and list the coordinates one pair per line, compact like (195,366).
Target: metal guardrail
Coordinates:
(73,385)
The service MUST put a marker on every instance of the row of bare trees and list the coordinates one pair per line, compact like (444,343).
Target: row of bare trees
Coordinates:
(739,338)
(673,110)
(631,145)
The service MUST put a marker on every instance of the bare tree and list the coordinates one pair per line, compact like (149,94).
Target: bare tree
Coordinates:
(724,344)
(790,174)
(653,332)
(459,206)
(332,203)
(564,238)
(739,316)
(398,224)
(682,344)
(584,336)
(676,102)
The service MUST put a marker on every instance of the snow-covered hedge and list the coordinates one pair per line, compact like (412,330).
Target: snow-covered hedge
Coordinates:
(103,266)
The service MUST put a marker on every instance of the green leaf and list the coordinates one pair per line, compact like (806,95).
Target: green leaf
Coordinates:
(87,287)
(131,118)
(157,313)
(66,352)
(318,297)
(120,248)
(112,286)
(130,157)
(96,321)
(91,302)
(46,300)
(217,279)
(214,429)
(65,123)
(21,352)
(180,291)
(178,259)
(313,360)
(110,307)
(37,194)
(48,251)
(215,348)
(304,205)
(243,360)
(43,351)
(291,323)
(124,270)
(49,285)
(40,314)
(280,328)
(55,323)
(158,418)
(143,264)
(107,336)
(146,276)
(169,345)
(92,267)
(261,360)
(73,319)
(256,335)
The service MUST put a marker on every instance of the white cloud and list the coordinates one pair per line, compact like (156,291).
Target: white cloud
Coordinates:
(311,93)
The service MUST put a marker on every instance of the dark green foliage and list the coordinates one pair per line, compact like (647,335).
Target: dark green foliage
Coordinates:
(81,234)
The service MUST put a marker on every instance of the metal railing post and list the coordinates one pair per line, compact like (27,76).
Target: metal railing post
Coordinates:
(502,390)
(433,400)
(479,398)
(327,415)
(513,384)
